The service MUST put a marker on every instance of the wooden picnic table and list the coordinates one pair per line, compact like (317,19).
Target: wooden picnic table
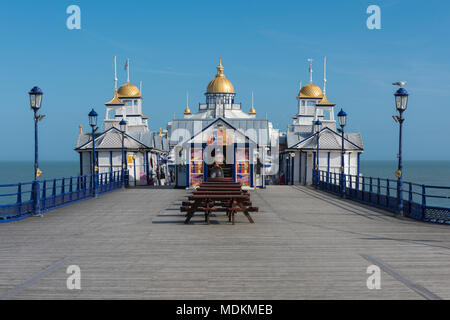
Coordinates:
(220,189)
(230,203)
(217,192)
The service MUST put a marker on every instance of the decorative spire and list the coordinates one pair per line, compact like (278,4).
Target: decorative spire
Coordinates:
(325,75)
(252,110)
(160,132)
(81,129)
(287,129)
(220,69)
(187,110)
(310,70)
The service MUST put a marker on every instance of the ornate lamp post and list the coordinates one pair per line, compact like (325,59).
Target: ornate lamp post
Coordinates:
(317,127)
(35,104)
(342,117)
(123,128)
(401,103)
(93,123)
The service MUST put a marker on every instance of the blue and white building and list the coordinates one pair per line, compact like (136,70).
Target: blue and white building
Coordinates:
(145,151)
(299,144)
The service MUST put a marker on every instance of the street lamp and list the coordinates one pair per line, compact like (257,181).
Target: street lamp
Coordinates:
(93,123)
(123,128)
(342,117)
(401,103)
(35,104)
(317,127)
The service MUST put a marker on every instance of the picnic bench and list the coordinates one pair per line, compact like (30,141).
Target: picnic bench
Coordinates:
(219,195)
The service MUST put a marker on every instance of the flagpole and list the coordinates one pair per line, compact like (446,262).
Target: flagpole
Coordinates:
(128,70)
(115,73)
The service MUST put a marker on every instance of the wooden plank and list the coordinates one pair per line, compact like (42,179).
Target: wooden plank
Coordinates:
(132,244)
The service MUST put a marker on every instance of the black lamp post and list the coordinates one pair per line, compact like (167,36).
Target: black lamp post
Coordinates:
(35,104)
(401,103)
(123,128)
(342,117)
(317,127)
(93,123)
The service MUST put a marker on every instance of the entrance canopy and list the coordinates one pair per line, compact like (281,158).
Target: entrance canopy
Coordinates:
(221,133)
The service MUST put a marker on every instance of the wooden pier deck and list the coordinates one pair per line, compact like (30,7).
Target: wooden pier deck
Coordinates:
(133,244)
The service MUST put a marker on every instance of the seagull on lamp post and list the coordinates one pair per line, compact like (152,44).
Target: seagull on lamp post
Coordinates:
(400,83)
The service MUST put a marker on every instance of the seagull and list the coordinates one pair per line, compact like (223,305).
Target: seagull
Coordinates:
(400,83)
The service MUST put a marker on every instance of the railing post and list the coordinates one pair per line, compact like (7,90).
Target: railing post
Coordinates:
(363,187)
(84,186)
(91,187)
(63,189)
(424,202)
(410,198)
(54,193)
(19,198)
(388,193)
(357,185)
(36,198)
(71,189)
(44,194)
(78,187)
(378,190)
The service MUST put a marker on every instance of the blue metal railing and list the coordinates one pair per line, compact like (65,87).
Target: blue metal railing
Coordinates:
(422,202)
(18,201)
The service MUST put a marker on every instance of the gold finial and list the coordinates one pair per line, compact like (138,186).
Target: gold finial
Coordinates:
(160,132)
(252,111)
(81,129)
(220,68)
(187,110)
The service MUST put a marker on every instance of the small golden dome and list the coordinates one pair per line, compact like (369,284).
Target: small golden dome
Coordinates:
(220,84)
(115,101)
(129,90)
(310,91)
(325,103)
(252,111)
(187,110)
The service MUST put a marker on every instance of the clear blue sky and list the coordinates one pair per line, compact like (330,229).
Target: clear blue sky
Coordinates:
(174,47)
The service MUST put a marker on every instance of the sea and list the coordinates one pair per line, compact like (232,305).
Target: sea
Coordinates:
(436,173)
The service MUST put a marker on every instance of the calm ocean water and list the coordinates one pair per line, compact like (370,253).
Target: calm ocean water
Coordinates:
(421,172)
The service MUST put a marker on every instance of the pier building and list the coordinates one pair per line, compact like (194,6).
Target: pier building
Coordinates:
(145,151)
(299,144)
(221,134)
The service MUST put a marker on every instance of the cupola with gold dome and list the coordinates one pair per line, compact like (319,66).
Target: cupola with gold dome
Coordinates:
(310,91)
(129,90)
(126,104)
(220,84)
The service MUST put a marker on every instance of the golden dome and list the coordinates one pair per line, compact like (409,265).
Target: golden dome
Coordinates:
(129,90)
(187,110)
(310,91)
(252,111)
(324,102)
(220,84)
(115,101)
